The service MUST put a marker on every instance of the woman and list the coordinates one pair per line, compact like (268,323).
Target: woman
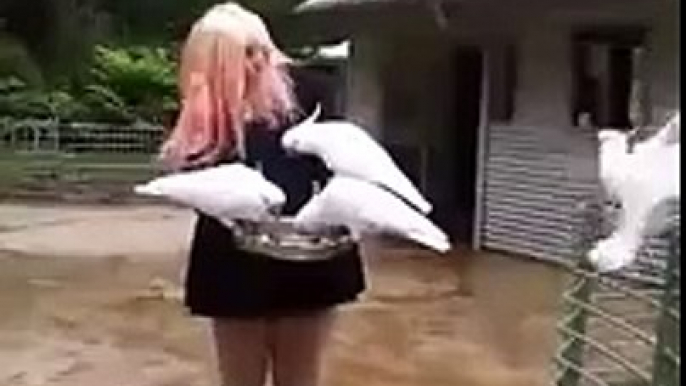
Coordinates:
(269,316)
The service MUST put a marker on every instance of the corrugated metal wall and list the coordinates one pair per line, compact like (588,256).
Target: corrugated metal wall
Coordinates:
(653,254)
(534,181)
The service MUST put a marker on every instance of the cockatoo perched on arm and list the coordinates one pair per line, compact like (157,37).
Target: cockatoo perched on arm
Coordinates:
(226,192)
(348,150)
(642,181)
(366,208)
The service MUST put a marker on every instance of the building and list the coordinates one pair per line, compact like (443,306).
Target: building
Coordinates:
(492,105)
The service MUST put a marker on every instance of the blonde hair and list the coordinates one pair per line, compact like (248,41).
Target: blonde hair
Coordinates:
(231,72)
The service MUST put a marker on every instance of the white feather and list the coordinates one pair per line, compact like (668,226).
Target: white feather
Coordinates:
(613,153)
(227,192)
(642,181)
(348,150)
(366,208)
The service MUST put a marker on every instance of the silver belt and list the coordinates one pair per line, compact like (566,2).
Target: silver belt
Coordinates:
(280,240)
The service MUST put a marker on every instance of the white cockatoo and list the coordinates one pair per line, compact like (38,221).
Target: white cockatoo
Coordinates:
(366,208)
(643,181)
(348,150)
(226,192)
(612,152)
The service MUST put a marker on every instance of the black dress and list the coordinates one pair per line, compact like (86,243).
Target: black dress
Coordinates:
(225,281)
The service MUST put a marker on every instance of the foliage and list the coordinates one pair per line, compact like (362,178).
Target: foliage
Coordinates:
(24,102)
(137,73)
(136,82)
(104,104)
(11,84)
(122,86)
(131,18)
(16,61)
(118,84)
(58,34)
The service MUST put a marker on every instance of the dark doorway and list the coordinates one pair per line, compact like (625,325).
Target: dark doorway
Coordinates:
(468,73)
(619,87)
(606,65)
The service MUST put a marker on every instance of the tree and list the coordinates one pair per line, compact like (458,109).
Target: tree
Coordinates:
(60,33)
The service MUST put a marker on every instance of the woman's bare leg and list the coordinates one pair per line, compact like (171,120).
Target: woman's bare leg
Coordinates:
(298,344)
(242,351)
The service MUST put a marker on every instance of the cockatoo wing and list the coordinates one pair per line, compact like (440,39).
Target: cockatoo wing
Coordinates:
(356,154)
(366,208)
(231,191)
(348,150)
(644,181)
(612,158)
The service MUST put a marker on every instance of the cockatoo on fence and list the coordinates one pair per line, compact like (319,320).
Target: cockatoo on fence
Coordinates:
(227,192)
(641,180)
(367,208)
(348,150)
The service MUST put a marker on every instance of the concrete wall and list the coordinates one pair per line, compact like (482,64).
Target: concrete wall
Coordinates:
(539,141)
(364,89)
(411,77)
(418,73)
(421,67)
(663,64)
(544,78)
(394,64)
(536,166)
(544,84)
(418,78)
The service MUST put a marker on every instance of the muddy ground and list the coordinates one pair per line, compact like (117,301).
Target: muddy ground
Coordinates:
(89,296)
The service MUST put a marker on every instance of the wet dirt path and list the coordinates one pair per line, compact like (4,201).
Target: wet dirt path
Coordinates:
(89,296)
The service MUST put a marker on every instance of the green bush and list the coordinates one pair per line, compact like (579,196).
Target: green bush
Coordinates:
(122,86)
(11,84)
(136,82)
(106,105)
(16,62)
(36,103)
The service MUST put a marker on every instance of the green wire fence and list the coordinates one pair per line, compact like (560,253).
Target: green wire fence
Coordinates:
(621,329)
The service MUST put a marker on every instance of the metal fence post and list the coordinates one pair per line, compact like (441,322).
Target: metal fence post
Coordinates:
(574,324)
(667,362)
(575,317)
